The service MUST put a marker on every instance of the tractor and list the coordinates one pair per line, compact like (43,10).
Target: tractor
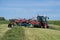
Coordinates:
(43,21)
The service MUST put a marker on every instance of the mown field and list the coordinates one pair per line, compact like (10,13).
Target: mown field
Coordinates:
(54,24)
(41,34)
(54,27)
(23,33)
(16,33)
(3,29)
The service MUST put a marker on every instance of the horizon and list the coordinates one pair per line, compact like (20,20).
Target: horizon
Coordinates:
(30,8)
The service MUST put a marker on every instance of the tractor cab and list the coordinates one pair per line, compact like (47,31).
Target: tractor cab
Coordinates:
(43,21)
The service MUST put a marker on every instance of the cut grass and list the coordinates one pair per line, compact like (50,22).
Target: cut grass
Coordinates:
(22,33)
(16,33)
(3,29)
(41,34)
(55,27)
(54,24)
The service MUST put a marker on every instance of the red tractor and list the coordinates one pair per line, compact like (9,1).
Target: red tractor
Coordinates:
(43,21)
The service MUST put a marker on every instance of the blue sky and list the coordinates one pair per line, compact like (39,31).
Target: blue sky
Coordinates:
(30,8)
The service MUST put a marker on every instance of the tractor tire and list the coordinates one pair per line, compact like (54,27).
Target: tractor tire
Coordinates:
(47,26)
(37,26)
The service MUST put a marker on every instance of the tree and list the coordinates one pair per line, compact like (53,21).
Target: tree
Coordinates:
(2,19)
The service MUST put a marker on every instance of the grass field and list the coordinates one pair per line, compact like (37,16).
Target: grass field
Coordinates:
(16,33)
(3,29)
(55,22)
(4,22)
(54,27)
(22,33)
(41,34)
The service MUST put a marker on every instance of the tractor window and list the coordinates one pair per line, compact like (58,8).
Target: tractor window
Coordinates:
(43,19)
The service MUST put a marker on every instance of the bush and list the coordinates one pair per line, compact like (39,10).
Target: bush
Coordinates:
(2,18)
(16,33)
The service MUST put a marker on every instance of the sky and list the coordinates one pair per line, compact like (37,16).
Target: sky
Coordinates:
(30,8)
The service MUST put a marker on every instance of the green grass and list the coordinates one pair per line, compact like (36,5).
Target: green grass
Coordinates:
(3,29)
(41,34)
(22,33)
(16,33)
(54,27)
(4,22)
(55,22)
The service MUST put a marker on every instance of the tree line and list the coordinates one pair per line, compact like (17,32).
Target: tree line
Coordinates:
(2,19)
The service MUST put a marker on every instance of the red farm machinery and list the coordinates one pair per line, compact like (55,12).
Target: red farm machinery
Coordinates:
(41,22)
